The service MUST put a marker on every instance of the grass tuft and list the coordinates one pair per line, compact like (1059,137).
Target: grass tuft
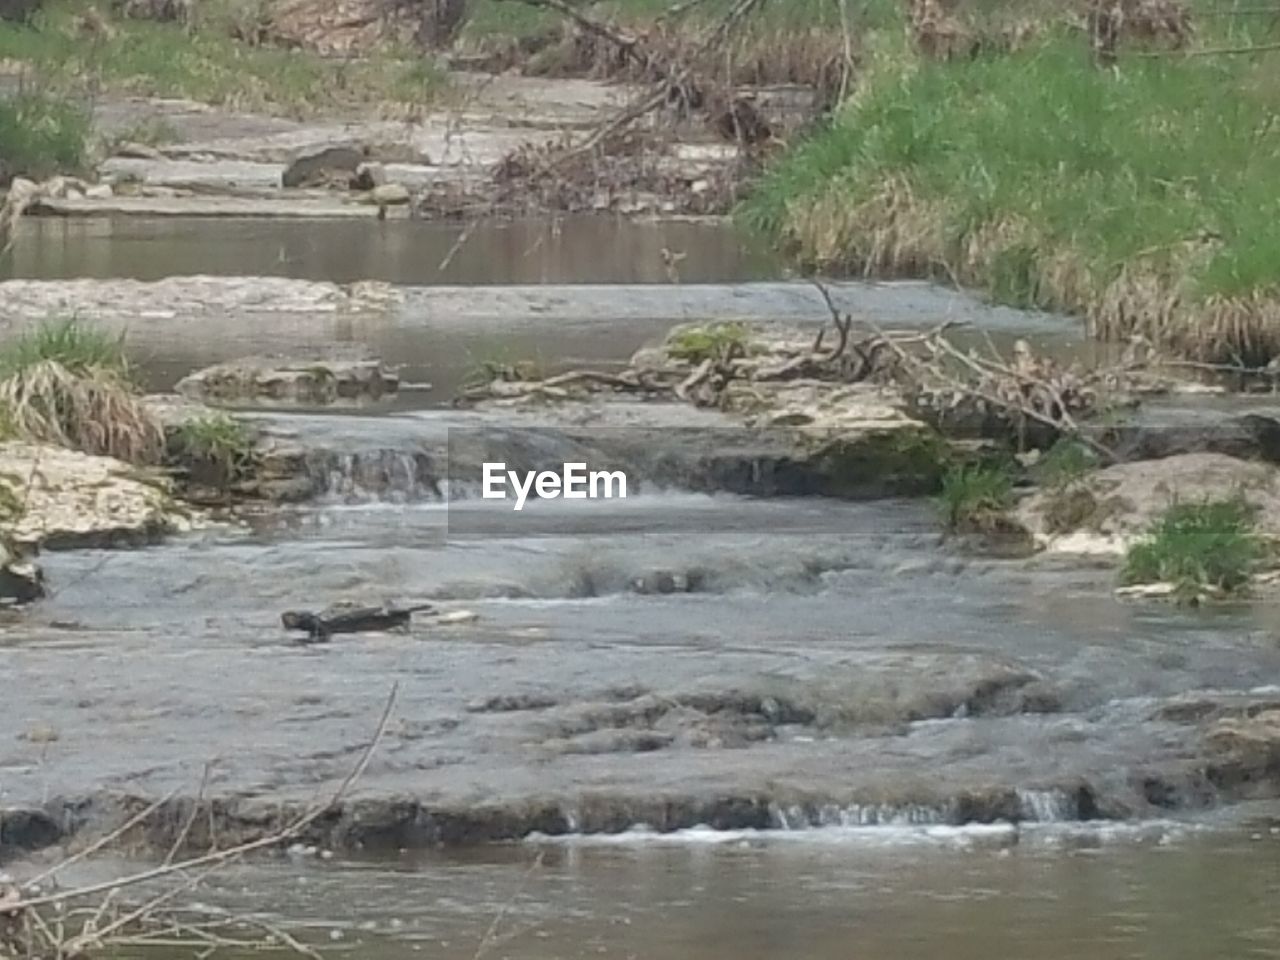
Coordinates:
(70,384)
(974,497)
(1199,547)
(92,409)
(218,447)
(77,347)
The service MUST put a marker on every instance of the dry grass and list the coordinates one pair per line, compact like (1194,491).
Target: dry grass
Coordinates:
(94,410)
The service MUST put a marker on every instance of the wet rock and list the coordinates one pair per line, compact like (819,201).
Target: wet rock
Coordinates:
(137,151)
(1118,504)
(24,830)
(322,165)
(21,580)
(390,195)
(307,382)
(1248,437)
(1250,749)
(510,703)
(72,499)
(609,741)
(369,175)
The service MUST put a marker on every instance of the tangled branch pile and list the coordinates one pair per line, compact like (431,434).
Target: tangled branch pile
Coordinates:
(961,391)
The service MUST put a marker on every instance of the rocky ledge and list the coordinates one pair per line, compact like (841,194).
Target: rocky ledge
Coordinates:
(1104,512)
(55,498)
(270,381)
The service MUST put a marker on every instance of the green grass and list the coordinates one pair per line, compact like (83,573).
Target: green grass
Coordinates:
(221,446)
(714,341)
(1041,178)
(76,346)
(41,134)
(206,63)
(973,496)
(1210,545)
(70,384)
(1065,463)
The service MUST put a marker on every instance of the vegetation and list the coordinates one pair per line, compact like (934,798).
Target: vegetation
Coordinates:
(716,341)
(1066,463)
(40,135)
(1210,546)
(217,447)
(785,41)
(1143,196)
(69,343)
(205,61)
(70,385)
(975,497)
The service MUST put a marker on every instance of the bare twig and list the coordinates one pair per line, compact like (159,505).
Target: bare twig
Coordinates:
(219,857)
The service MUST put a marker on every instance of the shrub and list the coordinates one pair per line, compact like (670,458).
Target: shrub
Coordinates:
(41,135)
(974,497)
(1207,546)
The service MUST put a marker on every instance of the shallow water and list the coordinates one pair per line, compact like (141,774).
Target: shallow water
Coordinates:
(1157,893)
(577,250)
(149,664)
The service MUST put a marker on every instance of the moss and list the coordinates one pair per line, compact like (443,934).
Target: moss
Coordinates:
(903,462)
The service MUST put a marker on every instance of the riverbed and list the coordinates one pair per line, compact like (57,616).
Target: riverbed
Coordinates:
(685,724)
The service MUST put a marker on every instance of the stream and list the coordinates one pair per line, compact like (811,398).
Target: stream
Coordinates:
(685,725)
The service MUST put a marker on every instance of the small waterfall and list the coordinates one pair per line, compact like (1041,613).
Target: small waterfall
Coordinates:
(394,476)
(572,819)
(799,817)
(1048,806)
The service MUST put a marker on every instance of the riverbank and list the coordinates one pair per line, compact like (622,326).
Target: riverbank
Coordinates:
(1127,192)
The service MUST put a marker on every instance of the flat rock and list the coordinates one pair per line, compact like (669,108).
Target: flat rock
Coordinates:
(316,165)
(1113,507)
(309,382)
(72,499)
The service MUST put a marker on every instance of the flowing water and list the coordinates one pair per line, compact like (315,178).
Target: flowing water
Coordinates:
(889,735)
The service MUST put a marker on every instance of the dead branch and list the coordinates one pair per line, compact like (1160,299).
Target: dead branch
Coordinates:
(21,907)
